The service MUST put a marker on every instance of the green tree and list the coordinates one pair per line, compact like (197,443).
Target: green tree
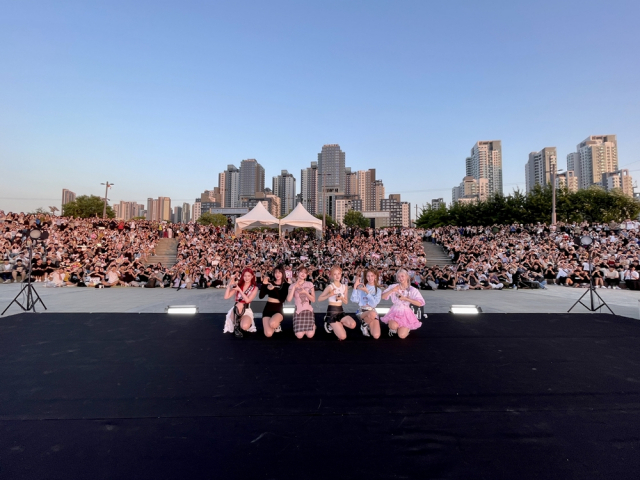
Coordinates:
(86,206)
(354,218)
(215,219)
(330,221)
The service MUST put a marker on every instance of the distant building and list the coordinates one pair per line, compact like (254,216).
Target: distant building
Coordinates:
(540,168)
(251,177)
(309,188)
(186,213)
(344,203)
(620,180)
(196,210)
(379,219)
(436,203)
(269,200)
(399,211)
(485,162)
(177,215)
(127,210)
(229,187)
(331,177)
(567,180)
(67,196)
(470,190)
(284,187)
(595,156)
(159,209)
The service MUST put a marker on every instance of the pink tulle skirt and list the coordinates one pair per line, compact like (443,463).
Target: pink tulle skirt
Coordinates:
(404,316)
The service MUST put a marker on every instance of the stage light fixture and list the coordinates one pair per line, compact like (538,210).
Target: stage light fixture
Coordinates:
(288,310)
(465,309)
(181,309)
(382,310)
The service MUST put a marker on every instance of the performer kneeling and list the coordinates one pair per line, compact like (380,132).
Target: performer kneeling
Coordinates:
(276,293)
(240,317)
(303,293)
(401,319)
(336,319)
(367,297)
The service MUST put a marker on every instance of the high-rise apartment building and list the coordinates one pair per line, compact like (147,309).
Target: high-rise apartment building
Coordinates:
(67,196)
(159,209)
(399,211)
(540,167)
(436,203)
(470,190)
(567,180)
(186,213)
(595,156)
(229,186)
(127,210)
(196,210)
(251,177)
(620,180)
(284,187)
(309,188)
(331,176)
(177,215)
(486,162)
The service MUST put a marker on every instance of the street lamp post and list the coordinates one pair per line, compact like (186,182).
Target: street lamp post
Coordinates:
(106,192)
(554,172)
(324,203)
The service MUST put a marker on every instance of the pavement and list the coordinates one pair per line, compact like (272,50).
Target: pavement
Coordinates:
(555,299)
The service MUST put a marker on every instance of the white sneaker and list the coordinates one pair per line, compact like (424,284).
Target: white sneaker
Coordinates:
(278,329)
(617,288)
(365,329)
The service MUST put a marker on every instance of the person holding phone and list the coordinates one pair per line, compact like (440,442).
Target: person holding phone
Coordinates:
(276,289)
(240,317)
(367,296)
(303,294)
(336,320)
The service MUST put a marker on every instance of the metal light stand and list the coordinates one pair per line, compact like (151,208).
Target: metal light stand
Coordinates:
(31,290)
(592,290)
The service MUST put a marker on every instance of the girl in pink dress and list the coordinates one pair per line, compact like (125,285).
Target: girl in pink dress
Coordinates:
(401,319)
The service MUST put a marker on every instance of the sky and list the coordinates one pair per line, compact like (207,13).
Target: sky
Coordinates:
(158,97)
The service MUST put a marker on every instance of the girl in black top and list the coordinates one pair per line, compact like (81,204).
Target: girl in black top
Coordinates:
(276,290)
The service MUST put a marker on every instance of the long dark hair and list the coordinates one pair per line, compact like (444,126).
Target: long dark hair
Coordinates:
(280,269)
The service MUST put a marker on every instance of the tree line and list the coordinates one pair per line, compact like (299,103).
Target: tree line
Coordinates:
(593,205)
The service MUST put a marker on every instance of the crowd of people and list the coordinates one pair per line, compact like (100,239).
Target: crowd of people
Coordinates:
(107,253)
(535,256)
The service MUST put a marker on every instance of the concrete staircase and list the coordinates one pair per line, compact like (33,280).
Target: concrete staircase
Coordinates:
(435,254)
(166,252)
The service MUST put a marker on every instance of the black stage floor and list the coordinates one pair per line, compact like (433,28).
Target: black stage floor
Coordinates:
(496,396)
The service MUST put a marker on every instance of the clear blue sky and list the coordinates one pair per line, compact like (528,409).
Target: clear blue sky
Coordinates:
(158,97)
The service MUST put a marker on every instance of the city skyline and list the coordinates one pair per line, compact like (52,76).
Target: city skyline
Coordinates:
(158,99)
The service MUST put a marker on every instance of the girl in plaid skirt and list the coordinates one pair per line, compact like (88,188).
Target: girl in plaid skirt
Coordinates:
(303,293)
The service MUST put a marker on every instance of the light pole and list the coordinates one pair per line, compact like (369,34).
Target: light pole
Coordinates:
(324,204)
(554,172)
(106,192)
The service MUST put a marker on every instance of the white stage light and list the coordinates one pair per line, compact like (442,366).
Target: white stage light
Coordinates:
(382,310)
(288,310)
(465,309)
(181,309)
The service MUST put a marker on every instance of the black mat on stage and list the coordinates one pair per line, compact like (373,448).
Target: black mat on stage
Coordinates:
(155,396)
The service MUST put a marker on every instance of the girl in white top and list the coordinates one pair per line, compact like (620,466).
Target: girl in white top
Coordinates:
(367,297)
(336,319)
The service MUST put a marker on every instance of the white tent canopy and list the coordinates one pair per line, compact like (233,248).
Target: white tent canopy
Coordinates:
(300,218)
(257,217)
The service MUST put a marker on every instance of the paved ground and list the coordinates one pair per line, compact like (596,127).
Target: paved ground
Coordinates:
(141,300)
